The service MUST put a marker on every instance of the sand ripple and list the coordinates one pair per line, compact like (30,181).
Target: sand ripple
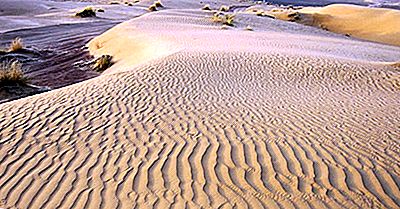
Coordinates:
(212,129)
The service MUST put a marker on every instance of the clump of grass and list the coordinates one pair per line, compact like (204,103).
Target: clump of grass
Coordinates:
(100,10)
(16,45)
(224,8)
(87,12)
(152,8)
(206,7)
(102,63)
(158,4)
(226,19)
(294,16)
(11,74)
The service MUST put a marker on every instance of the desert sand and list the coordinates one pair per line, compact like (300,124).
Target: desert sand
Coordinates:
(374,24)
(194,114)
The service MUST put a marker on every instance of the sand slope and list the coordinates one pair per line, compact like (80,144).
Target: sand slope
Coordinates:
(285,116)
(374,24)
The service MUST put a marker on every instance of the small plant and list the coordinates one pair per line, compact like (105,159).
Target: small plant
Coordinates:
(152,8)
(294,16)
(224,8)
(206,7)
(16,45)
(158,4)
(100,10)
(226,19)
(249,28)
(11,74)
(87,12)
(102,63)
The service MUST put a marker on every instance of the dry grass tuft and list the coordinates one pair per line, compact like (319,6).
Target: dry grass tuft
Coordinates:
(102,63)
(152,8)
(158,4)
(11,74)
(224,8)
(16,45)
(206,7)
(226,19)
(87,12)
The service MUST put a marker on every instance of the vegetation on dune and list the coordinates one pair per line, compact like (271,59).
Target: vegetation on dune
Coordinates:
(226,19)
(224,8)
(158,4)
(294,16)
(16,45)
(87,12)
(206,7)
(152,8)
(11,74)
(102,63)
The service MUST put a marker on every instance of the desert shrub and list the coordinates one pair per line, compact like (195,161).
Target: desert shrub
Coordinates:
(224,8)
(206,7)
(158,4)
(16,45)
(87,12)
(226,19)
(294,16)
(102,63)
(152,8)
(11,74)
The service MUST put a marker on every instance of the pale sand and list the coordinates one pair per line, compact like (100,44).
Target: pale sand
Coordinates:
(285,116)
(373,24)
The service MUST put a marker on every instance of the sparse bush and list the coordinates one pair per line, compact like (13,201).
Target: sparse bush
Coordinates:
(102,63)
(294,16)
(158,4)
(87,12)
(224,8)
(226,19)
(16,45)
(100,10)
(206,7)
(11,74)
(152,8)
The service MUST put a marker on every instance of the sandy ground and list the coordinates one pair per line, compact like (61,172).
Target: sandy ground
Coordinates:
(195,114)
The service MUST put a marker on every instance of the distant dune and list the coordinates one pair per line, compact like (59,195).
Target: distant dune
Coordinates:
(196,113)
(374,24)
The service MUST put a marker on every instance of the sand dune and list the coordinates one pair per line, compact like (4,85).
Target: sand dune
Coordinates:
(192,115)
(374,24)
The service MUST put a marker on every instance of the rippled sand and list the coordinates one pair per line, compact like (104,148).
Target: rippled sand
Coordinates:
(192,115)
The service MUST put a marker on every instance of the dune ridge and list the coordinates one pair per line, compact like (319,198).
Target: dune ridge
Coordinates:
(219,119)
(374,24)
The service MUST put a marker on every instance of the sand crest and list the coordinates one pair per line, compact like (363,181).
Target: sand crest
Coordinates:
(374,24)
